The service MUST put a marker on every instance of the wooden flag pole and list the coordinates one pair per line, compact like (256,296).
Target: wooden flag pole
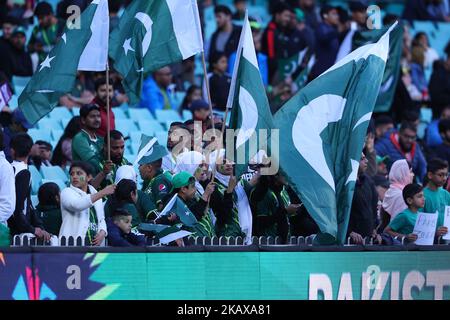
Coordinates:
(108,124)
(205,74)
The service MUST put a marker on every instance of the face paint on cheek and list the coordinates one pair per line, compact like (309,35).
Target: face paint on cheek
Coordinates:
(82,178)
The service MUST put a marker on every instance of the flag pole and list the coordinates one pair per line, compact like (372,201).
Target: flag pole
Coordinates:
(205,74)
(108,124)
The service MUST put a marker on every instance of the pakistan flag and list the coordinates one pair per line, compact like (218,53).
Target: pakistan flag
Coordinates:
(322,132)
(152,34)
(83,46)
(250,108)
(356,39)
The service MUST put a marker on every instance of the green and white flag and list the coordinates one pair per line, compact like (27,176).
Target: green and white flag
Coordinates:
(250,110)
(322,132)
(297,67)
(152,34)
(177,206)
(356,39)
(84,48)
(165,233)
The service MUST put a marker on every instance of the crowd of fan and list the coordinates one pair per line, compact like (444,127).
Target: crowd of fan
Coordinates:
(400,172)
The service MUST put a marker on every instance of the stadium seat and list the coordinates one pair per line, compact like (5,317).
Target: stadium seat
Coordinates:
(18,90)
(54,172)
(134,147)
(135,136)
(126,126)
(59,113)
(61,184)
(140,114)
(14,102)
(49,124)
(162,137)
(20,81)
(119,114)
(426,115)
(149,127)
(167,115)
(34,200)
(56,134)
(40,134)
(64,122)
(187,115)
(36,179)
(395,8)
(76,111)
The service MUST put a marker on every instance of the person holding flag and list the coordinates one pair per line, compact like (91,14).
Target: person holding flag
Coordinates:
(322,133)
(149,158)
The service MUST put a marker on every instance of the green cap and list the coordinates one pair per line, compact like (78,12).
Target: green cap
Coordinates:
(299,15)
(150,150)
(382,159)
(18,30)
(182,179)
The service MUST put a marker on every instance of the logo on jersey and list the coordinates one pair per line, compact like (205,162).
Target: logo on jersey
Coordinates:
(162,187)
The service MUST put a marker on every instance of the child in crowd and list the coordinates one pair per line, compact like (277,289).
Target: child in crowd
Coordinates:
(403,224)
(119,230)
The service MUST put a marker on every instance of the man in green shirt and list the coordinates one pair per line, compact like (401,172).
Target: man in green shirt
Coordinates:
(107,168)
(86,145)
(403,223)
(156,182)
(45,35)
(436,197)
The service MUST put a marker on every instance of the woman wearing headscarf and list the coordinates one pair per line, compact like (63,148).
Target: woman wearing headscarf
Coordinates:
(399,176)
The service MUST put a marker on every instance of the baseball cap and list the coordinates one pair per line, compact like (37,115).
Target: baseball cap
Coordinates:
(199,104)
(182,179)
(18,30)
(382,159)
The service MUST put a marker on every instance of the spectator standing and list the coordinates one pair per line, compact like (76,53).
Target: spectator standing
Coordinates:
(101,95)
(82,208)
(86,145)
(219,82)
(7,194)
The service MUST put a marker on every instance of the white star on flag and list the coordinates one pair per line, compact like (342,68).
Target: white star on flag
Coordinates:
(46,63)
(64,38)
(127,46)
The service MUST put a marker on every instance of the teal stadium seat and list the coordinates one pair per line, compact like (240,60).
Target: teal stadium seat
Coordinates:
(61,184)
(40,134)
(36,179)
(126,126)
(162,137)
(149,127)
(137,114)
(14,102)
(34,200)
(54,172)
(426,115)
(119,113)
(187,115)
(167,115)
(20,81)
(56,134)
(49,124)
(59,113)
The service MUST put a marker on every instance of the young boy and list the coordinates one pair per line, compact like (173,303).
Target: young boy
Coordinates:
(403,224)
(436,198)
(119,230)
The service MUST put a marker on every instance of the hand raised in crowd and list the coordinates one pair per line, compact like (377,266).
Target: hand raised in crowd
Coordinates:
(356,237)
(292,208)
(107,168)
(232,184)
(441,231)
(208,191)
(370,142)
(108,190)
(98,239)
(411,237)
(254,180)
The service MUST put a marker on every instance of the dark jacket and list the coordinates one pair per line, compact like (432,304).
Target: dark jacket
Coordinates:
(117,238)
(384,146)
(51,218)
(301,224)
(219,86)
(327,47)
(280,43)
(417,10)
(230,46)
(363,215)
(439,87)
(24,219)
(13,61)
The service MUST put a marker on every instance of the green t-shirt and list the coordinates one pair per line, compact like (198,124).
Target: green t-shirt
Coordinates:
(159,187)
(404,222)
(51,218)
(233,228)
(86,149)
(111,177)
(436,201)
